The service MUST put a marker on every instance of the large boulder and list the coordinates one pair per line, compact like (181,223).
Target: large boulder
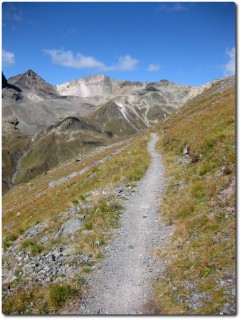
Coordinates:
(69,227)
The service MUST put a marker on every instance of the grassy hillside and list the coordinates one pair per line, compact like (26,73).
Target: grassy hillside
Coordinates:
(94,193)
(119,125)
(200,202)
(58,144)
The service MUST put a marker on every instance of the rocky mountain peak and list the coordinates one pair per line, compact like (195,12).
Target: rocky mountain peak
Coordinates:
(31,83)
(26,79)
(166,82)
(31,74)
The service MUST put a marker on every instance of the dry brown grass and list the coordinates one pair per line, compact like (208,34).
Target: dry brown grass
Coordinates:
(197,201)
(26,191)
(129,165)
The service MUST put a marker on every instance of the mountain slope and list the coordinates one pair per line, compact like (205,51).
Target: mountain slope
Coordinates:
(14,145)
(118,121)
(35,116)
(64,141)
(198,144)
(39,105)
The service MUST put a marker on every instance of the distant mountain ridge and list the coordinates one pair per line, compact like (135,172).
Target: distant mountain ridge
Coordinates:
(106,86)
(42,104)
(45,125)
(88,87)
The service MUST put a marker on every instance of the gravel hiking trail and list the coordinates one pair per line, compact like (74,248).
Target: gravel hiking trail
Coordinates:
(122,282)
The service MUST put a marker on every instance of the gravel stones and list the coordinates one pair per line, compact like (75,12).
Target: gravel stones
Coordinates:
(32,232)
(45,268)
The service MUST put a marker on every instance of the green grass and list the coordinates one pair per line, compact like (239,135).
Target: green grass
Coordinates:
(59,293)
(202,249)
(88,226)
(9,240)
(17,272)
(75,202)
(34,247)
(99,256)
(86,270)
(39,300)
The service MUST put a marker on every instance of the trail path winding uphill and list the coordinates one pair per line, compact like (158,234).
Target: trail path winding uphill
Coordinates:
(122,284)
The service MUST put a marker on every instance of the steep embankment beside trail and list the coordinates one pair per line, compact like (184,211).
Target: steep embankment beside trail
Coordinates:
(54,237)
(198,144)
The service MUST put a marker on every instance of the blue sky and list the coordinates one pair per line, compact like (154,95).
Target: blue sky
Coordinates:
(187,43)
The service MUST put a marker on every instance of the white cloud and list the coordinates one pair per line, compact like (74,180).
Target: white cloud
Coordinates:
(8,58)
(229,67)
(126,63)
(80,61)
(153,67)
